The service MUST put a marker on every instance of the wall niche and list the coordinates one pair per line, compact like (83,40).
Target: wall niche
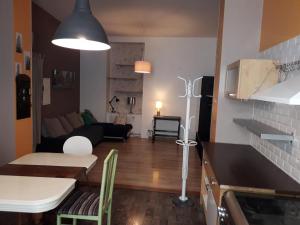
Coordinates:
(122,81)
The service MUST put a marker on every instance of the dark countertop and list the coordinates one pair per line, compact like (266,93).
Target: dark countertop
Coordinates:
(244,166)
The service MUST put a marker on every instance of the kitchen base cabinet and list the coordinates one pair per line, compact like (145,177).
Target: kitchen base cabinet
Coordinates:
(230,167)
(210,191)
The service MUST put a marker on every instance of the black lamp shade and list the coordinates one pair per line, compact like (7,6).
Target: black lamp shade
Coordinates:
(81,30)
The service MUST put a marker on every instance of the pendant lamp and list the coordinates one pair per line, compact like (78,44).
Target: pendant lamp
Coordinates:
(81,30)
(142,67)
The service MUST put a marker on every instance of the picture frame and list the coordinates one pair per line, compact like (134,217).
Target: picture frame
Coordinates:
(63,79)
(18,69)
(27,60)
(19,42)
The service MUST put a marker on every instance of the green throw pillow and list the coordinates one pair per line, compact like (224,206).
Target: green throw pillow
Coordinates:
(88,118)
(91,115)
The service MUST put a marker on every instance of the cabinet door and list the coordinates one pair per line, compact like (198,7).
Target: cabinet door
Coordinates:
(212,209)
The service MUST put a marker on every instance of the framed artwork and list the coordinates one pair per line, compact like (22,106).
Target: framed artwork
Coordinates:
(27,61)
(18,69)
(19,43)
(63,79)
(23,98)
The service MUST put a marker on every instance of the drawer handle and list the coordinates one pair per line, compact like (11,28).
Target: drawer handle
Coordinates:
(205,162)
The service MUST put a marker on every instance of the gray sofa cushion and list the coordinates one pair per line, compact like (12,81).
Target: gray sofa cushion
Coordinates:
(54,127)
(67,126)
(74,119)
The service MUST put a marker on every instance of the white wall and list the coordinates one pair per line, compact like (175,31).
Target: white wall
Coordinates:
(7,128)
(171,57)
(283,117)
(241,38)
(93,83)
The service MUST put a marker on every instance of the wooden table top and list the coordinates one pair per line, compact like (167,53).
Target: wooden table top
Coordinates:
(33,194)
(43,171)
(57,159)
(36,188)
(242,166)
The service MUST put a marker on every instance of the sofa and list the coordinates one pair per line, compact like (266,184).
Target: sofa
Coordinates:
(115,131)
(55,131)
(55,144)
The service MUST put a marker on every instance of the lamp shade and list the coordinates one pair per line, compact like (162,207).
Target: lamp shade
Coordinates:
(142,67)
(81,30)
(158,105)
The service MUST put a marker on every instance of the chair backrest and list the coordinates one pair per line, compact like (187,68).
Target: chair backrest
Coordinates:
(78,145)
(108,179)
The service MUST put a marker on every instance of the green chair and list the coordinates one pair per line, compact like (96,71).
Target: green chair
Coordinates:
(88,205)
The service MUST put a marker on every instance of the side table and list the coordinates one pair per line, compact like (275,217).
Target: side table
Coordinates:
(166,132)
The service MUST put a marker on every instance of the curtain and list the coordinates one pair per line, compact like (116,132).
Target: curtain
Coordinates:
(37,96)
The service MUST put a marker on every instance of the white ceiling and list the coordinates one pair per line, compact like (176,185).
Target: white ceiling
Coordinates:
(154,18)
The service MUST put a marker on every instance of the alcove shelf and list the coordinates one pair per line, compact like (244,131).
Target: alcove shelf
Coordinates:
(128,92)
(122,81)
(124,64)
(264,131)
(123,78)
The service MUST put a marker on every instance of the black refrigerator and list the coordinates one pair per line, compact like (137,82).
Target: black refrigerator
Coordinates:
(203,132)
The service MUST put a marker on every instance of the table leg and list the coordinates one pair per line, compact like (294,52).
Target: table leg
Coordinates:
(178,130)
(37,218)
(19,220)
(23,219)
(154,128)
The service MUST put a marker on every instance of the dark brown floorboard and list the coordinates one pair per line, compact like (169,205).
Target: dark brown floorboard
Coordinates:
(133,207)
(150,166)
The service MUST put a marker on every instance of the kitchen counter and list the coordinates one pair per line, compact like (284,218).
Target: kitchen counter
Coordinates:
(243,166)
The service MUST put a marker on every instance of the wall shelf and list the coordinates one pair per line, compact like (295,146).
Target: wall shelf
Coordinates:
(264,131)
(128,92)
(122,78)
(124,64)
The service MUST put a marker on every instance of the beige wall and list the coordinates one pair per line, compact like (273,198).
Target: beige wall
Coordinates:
(172,57)
(241,38)
(93,83)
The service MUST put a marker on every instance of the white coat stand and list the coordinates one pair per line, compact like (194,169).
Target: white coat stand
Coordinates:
(186,143)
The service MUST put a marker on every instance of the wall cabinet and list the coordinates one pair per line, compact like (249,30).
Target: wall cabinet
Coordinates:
(245,77)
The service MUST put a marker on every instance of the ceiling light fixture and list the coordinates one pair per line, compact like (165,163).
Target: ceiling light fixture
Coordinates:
(142,67)
(81,30)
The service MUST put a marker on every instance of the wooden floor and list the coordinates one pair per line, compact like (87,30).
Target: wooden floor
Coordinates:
(131,207)
(145,166)
(149,166)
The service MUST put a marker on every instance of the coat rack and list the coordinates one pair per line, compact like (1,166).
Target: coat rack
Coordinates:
(186,143)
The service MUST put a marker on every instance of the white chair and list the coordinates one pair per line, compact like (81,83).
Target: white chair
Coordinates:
(78,145)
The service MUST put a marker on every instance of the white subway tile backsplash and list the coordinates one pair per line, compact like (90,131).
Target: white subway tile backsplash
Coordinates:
(280,116)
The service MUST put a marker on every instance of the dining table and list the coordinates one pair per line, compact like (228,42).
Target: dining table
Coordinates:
(39,182)
(57,159)
(28,194)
